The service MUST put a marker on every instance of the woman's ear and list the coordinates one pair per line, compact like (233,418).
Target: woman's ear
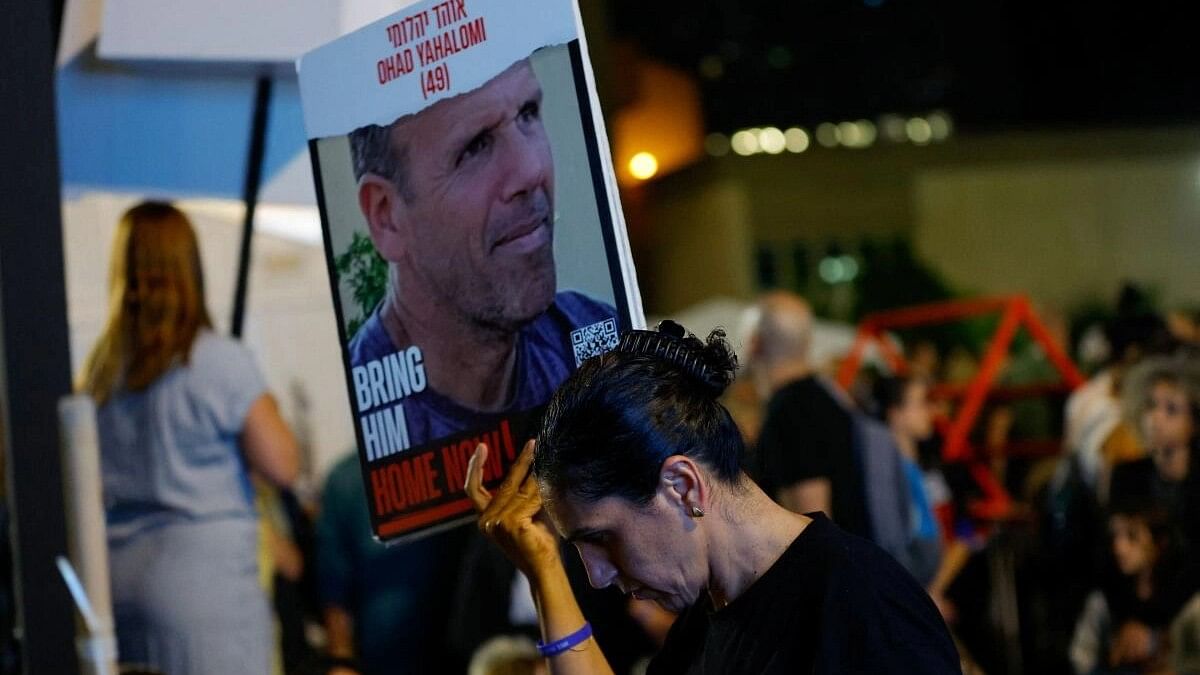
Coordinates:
(682,484)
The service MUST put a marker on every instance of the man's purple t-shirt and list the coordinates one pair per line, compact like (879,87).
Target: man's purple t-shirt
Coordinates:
(545,357)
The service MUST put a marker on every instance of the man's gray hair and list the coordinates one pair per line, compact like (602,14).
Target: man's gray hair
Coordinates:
(371,152)
(784,327)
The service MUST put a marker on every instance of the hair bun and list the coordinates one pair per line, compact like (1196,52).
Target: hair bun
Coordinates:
(672,329)
(721,359)
(711,362)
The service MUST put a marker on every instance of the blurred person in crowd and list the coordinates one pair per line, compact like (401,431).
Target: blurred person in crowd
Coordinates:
(1184,325)
(805,456)
(742,402)
(1097,432)
(1163,396)
(507,655)
(292,516)
(904,406)
(385,607)
(925,363)
(492,599)
(1095,436)
(925,360)
(184,416)
(277,557)
(993,436)
(1132,624)
(638,465)
(285,562)
(1100,433)
(1092,351)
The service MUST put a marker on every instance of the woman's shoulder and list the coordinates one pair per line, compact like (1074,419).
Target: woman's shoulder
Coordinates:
(223,375)
(854,567)
(220,360)
(211,349)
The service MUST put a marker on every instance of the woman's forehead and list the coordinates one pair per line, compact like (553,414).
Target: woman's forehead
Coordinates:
(1168,386)
(571,515)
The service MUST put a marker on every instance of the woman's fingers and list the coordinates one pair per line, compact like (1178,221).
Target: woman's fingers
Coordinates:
(529,496)
(529,487)
(516,495)
(511,516)
(524,504)
(480,497)
(517,472)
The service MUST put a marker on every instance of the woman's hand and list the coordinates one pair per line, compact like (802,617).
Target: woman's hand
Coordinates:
(511,516)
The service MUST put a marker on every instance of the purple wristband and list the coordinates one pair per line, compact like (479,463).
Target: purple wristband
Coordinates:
(559,646)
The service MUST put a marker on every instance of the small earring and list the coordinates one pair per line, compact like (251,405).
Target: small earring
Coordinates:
(697,512)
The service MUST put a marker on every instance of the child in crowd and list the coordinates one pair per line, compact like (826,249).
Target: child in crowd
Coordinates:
(1129,625)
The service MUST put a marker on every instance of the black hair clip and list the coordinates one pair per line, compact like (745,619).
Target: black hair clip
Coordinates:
(667,342)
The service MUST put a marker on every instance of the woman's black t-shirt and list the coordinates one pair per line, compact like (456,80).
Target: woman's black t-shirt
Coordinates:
(832,603)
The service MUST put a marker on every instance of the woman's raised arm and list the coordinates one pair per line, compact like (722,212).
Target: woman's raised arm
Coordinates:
(510,517)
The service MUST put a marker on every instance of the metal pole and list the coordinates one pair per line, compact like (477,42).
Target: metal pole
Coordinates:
(254,162)
(57,10)
(35,355)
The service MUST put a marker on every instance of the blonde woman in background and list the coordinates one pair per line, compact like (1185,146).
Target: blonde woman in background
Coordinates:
(184,417)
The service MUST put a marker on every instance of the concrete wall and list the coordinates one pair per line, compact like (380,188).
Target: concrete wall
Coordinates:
(1067,231)
(697,244)
(1063,216)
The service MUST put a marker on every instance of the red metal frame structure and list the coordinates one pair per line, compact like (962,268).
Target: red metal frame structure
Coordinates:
(1015,312)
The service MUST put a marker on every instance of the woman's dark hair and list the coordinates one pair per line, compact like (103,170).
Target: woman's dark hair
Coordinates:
(888,393)
(1124,604)
(1141,505)
(611,425)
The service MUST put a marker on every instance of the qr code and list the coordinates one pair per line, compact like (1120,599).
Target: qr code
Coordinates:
(594,340)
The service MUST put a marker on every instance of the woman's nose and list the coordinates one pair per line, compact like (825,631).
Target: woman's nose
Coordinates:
(601,573)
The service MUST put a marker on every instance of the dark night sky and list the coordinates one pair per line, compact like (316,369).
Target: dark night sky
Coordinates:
(991,63)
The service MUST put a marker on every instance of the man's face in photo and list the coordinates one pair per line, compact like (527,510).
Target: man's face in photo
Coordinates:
(473,214)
